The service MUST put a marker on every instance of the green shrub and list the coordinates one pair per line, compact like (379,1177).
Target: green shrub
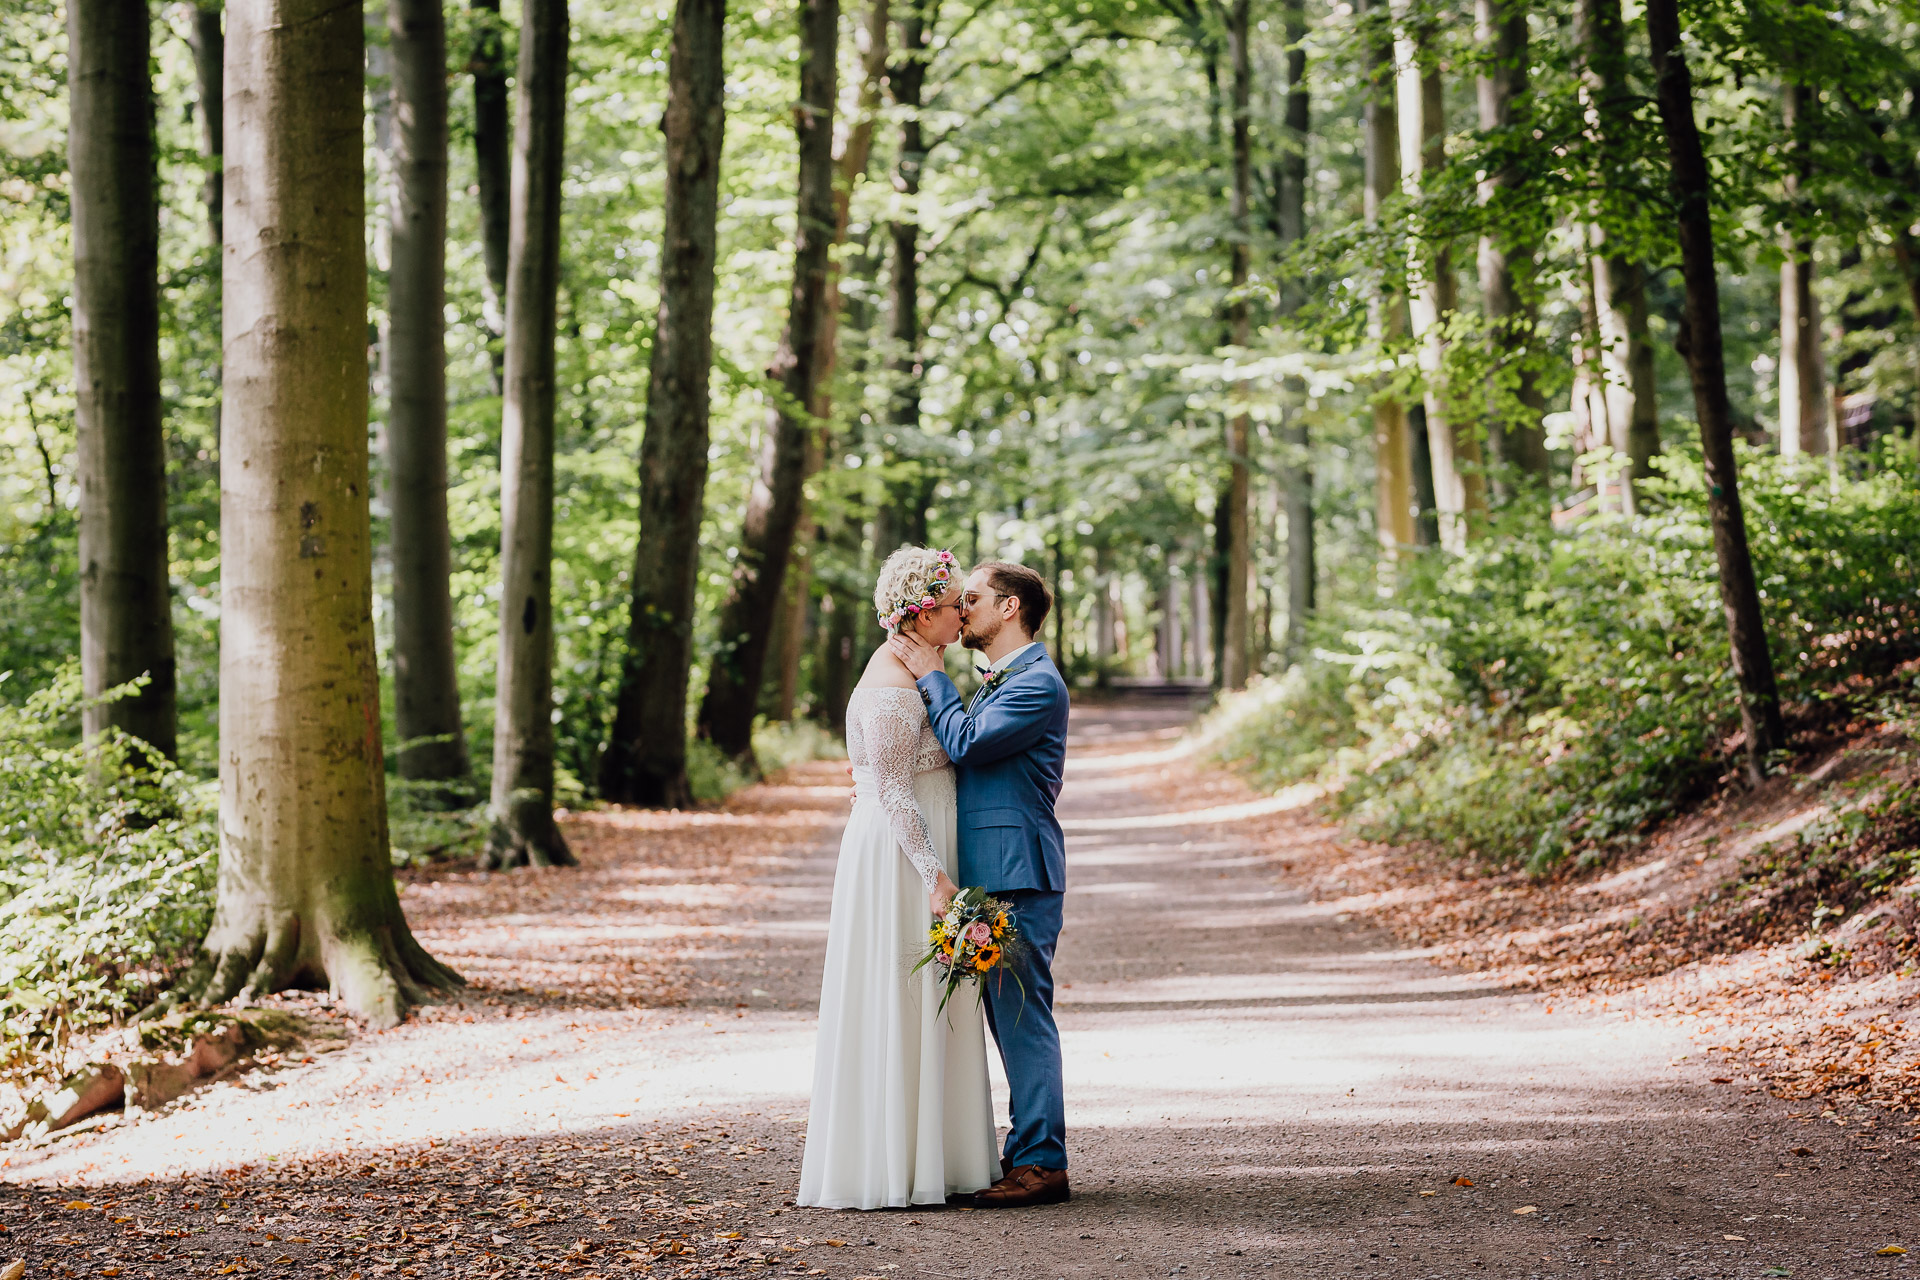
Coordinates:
(1551,692)
(106,877)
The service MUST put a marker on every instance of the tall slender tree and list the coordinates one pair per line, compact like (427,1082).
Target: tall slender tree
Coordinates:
(905,518)
(204,37)
(426,694)
(646,757)
(522,805)
(1703,347)
(492,163)
(1231,516)
(306,890)
(1297,466)
(1515,436)
(1386,312)
(126,602)
(774,507)
(1459,480)
(853,148)
(1621,349)
(1802,372)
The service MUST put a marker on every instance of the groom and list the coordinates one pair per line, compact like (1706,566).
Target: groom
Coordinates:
(1008,747)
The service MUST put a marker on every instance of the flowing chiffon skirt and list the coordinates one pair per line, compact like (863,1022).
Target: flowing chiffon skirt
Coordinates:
(901,1112)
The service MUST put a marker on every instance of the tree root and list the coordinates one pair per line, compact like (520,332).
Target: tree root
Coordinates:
(525,835)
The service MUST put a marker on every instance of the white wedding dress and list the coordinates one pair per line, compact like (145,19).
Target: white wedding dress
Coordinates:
(901,1111)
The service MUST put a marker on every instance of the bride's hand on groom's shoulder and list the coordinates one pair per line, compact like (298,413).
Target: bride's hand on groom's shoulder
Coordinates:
(916,655)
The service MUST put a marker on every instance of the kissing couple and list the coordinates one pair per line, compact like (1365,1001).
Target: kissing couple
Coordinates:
(948,793)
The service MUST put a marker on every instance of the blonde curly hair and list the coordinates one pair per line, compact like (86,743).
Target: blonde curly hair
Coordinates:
(912,579)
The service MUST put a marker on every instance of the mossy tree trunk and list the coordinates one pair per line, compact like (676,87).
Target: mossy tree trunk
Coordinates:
(306,894)
(126,618)
(524,832)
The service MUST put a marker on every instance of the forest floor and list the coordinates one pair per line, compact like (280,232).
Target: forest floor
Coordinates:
(1261,1081)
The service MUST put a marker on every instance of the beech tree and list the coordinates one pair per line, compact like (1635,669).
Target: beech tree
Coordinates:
(1230,515)
(492,161)
(1290,218)
(426,695)
(646,756)
(1386,311)
(773,510)
(126,600)
(209,52)
(524,831)
(1702,344)
(306,893)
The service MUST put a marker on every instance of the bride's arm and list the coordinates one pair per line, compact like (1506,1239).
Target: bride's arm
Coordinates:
(892,736)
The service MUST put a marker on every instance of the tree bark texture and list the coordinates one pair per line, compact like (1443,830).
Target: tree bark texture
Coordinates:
(524,831)
(126,602)
(1707,369)
(209,50)
(906,83)
(1296,471)
(1516,439)
(1459,483)
(773,509)
(1236,627)
(1803,395)
(306,890)
(646,757)
(853,147)
(493,160)
(426,695)
(1622,354)
(1386,314)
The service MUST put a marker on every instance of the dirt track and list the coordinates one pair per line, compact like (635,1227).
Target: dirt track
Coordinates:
(1255,1088)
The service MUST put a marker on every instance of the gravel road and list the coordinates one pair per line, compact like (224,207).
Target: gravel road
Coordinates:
(1256,1088)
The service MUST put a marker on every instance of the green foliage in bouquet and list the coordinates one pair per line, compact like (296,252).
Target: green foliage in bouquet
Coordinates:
(975,938)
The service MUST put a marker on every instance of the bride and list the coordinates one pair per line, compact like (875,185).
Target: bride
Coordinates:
(901,1113)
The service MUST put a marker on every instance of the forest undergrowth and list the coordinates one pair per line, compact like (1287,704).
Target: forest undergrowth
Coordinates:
(1543,773)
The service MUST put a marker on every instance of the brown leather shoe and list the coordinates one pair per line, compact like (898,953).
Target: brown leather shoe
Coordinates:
(1025,1185)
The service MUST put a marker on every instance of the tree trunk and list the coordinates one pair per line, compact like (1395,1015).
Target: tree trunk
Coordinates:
(1296,469)
(306,890)
(1706,366)
(1622,353)
(906,82)
(1459,484)
(126,602)
(1386,314)
(1516,440)
(1803,397)
(773,510)
(1235,626)
(524,831)
(646,758)
(426,695)
(209,50)
(492,142)
(853,147)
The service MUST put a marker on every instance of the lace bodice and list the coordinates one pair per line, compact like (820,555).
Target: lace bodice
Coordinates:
(888,735)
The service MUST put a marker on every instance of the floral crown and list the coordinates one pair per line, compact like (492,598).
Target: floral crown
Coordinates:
(924,592)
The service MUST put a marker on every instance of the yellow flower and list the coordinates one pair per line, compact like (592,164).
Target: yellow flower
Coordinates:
(988,957)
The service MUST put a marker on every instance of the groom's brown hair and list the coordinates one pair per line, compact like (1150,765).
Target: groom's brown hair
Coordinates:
(1024,585)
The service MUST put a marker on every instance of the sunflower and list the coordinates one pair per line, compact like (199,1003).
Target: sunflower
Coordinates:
(988,957)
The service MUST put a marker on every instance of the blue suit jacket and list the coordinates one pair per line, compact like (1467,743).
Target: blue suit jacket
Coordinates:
(1009,749)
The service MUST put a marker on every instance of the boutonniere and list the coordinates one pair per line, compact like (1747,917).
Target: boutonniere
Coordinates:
(990,679)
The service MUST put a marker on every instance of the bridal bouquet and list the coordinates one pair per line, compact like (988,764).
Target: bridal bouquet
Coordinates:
(974,938)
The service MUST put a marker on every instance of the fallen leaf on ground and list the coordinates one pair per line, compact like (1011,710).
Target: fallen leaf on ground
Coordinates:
(78,1204)
(14,1270)
(1803,1151)
(1463,1181)
(1725,1236)
(1889,1250)
(1429,1193)
(1528,1208)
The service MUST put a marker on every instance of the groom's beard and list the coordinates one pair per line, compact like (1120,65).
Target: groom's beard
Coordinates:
(971,639)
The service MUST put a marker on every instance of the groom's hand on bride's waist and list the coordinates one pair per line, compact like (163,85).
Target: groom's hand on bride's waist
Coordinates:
(915,654)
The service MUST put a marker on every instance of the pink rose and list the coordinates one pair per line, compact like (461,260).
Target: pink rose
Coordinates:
(926,602)
(941,957)
(979,934)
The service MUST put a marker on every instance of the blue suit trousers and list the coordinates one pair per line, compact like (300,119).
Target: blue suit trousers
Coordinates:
(1023,1027)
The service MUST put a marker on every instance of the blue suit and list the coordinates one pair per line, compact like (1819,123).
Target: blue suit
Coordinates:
(1009,749)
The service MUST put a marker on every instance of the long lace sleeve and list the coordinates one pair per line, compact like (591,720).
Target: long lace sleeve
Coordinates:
(891,735)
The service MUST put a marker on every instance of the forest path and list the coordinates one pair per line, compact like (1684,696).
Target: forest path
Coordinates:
(1255,1088)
